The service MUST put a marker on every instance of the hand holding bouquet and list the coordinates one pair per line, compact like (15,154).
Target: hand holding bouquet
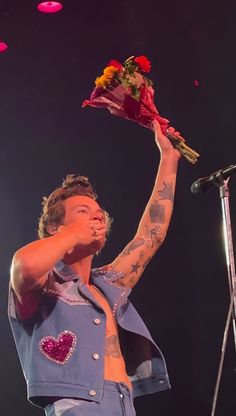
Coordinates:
(128,93)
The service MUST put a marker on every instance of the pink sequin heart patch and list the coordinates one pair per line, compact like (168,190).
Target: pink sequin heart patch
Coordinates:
(59,349)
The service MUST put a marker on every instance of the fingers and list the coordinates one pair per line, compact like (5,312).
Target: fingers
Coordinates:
(99,228)
(98,232)
(163,120)
(157,127)
(176,133)
(98,237)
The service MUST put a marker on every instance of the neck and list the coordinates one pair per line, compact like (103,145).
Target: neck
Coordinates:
(80,265)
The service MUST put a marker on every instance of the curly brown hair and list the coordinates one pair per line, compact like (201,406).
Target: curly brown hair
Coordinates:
(53,207)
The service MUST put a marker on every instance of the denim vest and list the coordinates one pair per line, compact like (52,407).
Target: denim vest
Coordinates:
(61,347)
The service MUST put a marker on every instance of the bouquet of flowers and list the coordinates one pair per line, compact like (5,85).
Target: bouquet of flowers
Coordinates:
(127,93)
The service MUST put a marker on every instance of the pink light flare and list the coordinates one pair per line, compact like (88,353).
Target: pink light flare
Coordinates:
(3,46)
(49,6)
(196,83)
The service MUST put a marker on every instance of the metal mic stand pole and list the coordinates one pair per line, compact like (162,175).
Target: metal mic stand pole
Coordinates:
(229,249)
(229,253)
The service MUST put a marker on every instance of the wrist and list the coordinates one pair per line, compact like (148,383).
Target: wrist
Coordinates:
(170,157)
(170,153)
(70,237)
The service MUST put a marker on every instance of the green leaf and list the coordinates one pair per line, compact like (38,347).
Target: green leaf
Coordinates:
(135,93)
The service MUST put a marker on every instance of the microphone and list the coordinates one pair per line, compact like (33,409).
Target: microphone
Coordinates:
(203,185)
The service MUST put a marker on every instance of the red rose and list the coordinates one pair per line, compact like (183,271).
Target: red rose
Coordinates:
(143,63)
(116,64)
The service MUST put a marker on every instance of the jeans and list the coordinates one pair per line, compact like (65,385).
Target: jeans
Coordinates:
(117,401)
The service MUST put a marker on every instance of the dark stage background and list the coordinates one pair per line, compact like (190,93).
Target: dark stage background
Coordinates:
(47,71)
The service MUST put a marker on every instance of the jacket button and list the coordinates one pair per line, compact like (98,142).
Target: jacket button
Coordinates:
(97,321)
(95,356)
(92,393)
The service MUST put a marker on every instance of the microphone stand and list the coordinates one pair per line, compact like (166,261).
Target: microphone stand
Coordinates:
(229,254)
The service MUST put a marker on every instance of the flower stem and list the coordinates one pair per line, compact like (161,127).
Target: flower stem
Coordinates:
(186,151)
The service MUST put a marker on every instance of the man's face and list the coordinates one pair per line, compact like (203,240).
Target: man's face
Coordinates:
(84,210)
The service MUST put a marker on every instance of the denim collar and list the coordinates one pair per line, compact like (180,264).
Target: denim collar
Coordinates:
(65,272)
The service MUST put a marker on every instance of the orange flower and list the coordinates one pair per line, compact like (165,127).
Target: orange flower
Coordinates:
(105,79)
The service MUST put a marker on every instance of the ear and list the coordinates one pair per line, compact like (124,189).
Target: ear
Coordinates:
(53,229)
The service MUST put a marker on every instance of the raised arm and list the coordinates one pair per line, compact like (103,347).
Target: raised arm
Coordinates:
(155,220)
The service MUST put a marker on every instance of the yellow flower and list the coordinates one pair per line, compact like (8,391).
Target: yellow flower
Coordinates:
(109,71)
(105,79)
(101,81)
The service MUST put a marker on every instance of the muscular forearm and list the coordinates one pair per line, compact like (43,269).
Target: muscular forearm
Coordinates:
(33,261)
(156,218)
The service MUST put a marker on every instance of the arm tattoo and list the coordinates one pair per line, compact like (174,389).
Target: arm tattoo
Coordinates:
(141,255)
(138,242)
(154,236)
(167,192)
(135,267)
(112,347)
(133,279)
(157,212)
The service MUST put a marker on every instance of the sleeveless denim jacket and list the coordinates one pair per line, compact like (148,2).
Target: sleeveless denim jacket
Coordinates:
(61,347)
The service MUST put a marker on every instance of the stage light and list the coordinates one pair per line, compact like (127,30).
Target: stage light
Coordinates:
(3,46)
(196,83)
(49,6)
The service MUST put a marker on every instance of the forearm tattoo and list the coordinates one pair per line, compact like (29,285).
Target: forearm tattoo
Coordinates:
(112,346)
(167,192)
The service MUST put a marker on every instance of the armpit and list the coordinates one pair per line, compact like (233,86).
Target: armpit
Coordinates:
(108,273)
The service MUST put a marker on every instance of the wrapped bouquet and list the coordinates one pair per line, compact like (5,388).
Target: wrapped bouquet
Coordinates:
(126,92)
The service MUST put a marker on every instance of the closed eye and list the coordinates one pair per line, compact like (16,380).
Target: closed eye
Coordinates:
(82,210)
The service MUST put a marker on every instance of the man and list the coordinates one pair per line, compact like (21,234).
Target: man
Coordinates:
(83,348)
